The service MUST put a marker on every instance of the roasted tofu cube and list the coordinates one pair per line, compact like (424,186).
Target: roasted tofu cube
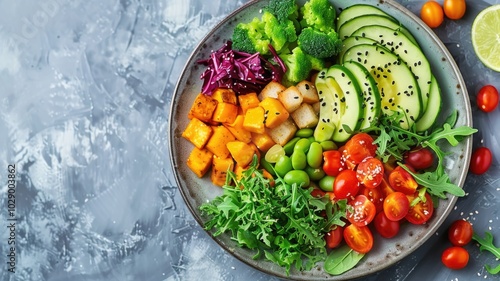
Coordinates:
(308,91)
(271,90)
(284,132)
(291,98)
(305,116)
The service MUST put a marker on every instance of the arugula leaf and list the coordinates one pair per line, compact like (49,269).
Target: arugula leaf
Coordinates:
(486,244)
(341,260)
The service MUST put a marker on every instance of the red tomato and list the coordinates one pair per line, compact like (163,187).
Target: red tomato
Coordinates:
(396,206)
(362,212)
(419,158)
(384,226)
(487,98)
(455,257)
(333,162)
(454,9)
(432,14)
(480,161)
(358,238)
(318,193)
(358,148)
(370,172)
(334,237)
(346,184)
(385,188)
(401,180)
(374,195)
(460,233)
(422,211)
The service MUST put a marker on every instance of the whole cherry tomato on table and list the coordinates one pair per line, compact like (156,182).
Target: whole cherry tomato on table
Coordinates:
(455,257)
(480,161)
(460,233)
(487,98)
(454,9)
(432,14)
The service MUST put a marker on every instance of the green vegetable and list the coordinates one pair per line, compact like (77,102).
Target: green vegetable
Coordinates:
(297,177)
(315,155)
(486,243)
(320,44)
(283,222)
(319,14)
(298,65)
(342,260)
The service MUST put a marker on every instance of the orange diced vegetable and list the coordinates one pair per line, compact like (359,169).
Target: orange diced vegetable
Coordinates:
(254,120)
(199,161)
(241,152)
(203,108)
(217,143)
(262,141)
(225,112)
(220,167)
(247,101)
(238,171)
(224,95)
(197,132)
(275,112)
(238,130)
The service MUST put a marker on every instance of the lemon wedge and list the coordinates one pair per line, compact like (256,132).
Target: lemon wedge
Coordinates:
(486,37)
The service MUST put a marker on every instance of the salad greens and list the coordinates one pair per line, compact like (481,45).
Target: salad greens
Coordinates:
(486,244)
(284,222)
(342,260)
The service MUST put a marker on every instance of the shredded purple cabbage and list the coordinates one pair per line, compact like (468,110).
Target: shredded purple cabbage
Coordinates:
(240,71)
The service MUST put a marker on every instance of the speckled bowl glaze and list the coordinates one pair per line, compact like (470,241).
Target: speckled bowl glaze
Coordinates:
(386,252)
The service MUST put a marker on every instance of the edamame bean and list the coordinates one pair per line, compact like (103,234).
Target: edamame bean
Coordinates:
(326,183)
(298,177)
(311,139)
(315,174)
(304,133)
(299,160)
(328,145)
(283,165)
(288,147)
(267,166)
(302,145)
(315,155)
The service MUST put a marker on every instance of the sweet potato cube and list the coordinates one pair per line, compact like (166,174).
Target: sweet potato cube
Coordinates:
(305,116)
(217,143)
(271,90)
(262,141)
(197,132)
(200,161)
(291,98)
(254,120)
(224,95)
(241,152)
(275,112)
(238,171)
(247,101)
(238,131)
(225,112)
(283,133)
(203,108)
(256,151)
(220,167)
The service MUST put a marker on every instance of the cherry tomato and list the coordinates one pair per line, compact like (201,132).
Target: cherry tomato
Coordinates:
(358,148)
(358,238)
(487,98)
(334,237)
(454,9)
(432,14)
(419,158)
(362,211)
(422,211)
(332,162)
(374,195)
(385,188)
(401,180)
(455,257)
(346,184)
(460,233)
(318,193)
(384,226)
(370,172)
(396,206)
(480,161)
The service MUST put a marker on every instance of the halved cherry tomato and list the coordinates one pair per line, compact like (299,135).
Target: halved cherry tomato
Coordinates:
(422,211)
(358,148)
(480,161)
(359,238)
(487,98)
(385,188)
(396,206)
(455,257)
(401,180)
(318,193)
(334,237)
(460,233)
(432,14)
(361,211)
(384,226)
(419,158)
(374,195)
(332,162)
(454,9)
(370,172)
(346,184)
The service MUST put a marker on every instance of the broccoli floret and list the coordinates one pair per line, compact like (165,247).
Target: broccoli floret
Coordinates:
(251,37)
(319,44)
(319,14)
(280,33)
(298,66)
(283,10)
